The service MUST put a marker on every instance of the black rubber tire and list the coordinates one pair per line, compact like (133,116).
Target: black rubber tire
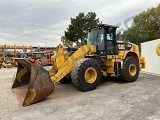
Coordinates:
(126,76)
(65,80)
(78,71)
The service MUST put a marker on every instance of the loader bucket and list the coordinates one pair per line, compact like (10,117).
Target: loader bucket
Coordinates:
(32,82)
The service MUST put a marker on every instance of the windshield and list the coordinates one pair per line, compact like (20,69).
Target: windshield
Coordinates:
(92,36)
(22,55)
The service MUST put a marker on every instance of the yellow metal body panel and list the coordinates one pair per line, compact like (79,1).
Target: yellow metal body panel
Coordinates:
(61,68)
(110,64)
(142,62)
(110,60)
(64,62)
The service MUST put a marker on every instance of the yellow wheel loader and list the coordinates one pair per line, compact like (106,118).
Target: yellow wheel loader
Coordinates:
(84,66)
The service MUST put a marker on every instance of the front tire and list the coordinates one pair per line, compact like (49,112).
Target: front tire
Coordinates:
(86,74)
(130,71)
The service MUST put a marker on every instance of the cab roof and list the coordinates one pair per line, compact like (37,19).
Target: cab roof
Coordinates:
(104,25)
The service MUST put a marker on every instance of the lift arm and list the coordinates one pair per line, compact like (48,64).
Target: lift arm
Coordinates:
(62,67)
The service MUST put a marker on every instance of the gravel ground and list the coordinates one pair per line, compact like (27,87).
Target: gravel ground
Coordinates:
(112,100)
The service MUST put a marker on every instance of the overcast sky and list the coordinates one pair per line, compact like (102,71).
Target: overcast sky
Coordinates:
(31,22)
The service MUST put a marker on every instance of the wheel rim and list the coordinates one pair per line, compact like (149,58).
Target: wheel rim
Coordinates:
(90,75)
(132,70)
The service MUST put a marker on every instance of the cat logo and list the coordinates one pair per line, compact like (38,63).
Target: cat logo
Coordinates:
(158,49)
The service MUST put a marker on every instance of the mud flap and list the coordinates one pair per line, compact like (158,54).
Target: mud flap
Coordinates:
(32,82)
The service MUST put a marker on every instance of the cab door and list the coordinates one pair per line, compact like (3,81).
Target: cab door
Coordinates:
(110,40)
(101,43)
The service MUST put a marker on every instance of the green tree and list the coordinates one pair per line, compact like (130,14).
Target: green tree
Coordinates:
(66,42)
(145,27)
(77,29)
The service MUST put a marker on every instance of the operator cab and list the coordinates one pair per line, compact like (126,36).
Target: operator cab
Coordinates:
(103,37)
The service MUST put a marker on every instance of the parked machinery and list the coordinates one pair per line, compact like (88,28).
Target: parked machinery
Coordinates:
(10,52)
(48,56)
(19,55)
(42,58)
(85,66)
(6,62)
(39,58)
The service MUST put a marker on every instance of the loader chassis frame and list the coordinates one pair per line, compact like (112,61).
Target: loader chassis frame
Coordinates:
(85,66)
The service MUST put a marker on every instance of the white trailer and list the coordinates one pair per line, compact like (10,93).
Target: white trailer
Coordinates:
(151,51)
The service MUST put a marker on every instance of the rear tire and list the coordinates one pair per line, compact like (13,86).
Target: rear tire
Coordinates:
(86,74)
(66,80)
(130,71)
